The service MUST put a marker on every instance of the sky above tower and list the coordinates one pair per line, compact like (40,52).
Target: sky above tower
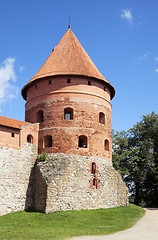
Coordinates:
(121,38)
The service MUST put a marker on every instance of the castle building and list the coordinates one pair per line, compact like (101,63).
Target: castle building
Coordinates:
(68,116)
(15,133)
(70,99)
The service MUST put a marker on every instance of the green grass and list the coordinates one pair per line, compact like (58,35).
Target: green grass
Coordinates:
(61,225)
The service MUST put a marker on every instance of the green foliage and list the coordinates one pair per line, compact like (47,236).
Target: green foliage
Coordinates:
(42,157)
(61,225)
(135,156)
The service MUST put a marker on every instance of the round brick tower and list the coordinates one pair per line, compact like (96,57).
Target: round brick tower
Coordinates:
(71,100)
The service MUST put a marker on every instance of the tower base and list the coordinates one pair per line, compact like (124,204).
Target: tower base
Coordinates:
(74,182)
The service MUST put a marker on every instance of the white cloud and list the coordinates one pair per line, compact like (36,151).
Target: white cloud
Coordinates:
(8,90)
(21,68)
(156,70)
(144,55)
(156,59)
(127,14)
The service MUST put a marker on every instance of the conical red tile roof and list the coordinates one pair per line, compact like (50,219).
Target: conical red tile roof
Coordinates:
(69,58)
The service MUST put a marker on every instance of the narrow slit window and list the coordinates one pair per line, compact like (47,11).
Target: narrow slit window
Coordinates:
(93,170)
(89,83)
(50,82)
(106,145)
(95,183)
(13,135)
(102,117)
(36,86)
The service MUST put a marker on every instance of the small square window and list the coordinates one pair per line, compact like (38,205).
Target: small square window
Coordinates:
(68,113)
(50,82)
(68,80)
(67,116)
(89,83)
(13,135)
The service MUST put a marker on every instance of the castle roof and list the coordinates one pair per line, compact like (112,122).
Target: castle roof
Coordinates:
(9,122)
(68,58)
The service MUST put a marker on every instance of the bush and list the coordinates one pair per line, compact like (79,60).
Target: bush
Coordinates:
(42,157)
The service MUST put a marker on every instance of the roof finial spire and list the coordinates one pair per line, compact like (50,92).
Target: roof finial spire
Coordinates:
(69,27)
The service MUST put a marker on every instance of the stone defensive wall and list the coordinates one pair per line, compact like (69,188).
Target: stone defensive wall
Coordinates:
(61,182)
(16,178)
(67,181)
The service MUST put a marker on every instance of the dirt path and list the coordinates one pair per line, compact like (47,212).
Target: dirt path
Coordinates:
(145,229)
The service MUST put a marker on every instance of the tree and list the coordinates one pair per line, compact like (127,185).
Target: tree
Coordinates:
(135,156)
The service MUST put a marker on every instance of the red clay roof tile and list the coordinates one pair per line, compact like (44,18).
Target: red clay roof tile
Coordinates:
(9,122)
(69,58)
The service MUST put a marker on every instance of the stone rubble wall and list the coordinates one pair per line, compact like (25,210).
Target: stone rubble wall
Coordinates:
(62,182)
(16,178)
(68,184)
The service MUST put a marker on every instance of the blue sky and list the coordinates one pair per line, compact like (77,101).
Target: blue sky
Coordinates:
(121,37)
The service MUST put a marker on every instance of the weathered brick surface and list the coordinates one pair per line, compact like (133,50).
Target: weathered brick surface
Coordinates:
(20,135)
(29,130)
(67,180)
(6,138)
(16,188)
(86,101)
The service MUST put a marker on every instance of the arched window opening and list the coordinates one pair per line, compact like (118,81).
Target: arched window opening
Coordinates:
(106,145)
(29,139)
(48,141)
(102,117)
(95,182)
(40,116)
(68,113)
(82,142)
(93,170)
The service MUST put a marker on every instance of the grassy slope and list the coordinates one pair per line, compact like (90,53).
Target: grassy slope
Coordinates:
(61,225)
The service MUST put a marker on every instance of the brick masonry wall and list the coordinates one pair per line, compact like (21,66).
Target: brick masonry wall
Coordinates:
(6,138)
(87,101)
(32,130)
(20,135)
(67,183)
(16,178)
(59,84)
